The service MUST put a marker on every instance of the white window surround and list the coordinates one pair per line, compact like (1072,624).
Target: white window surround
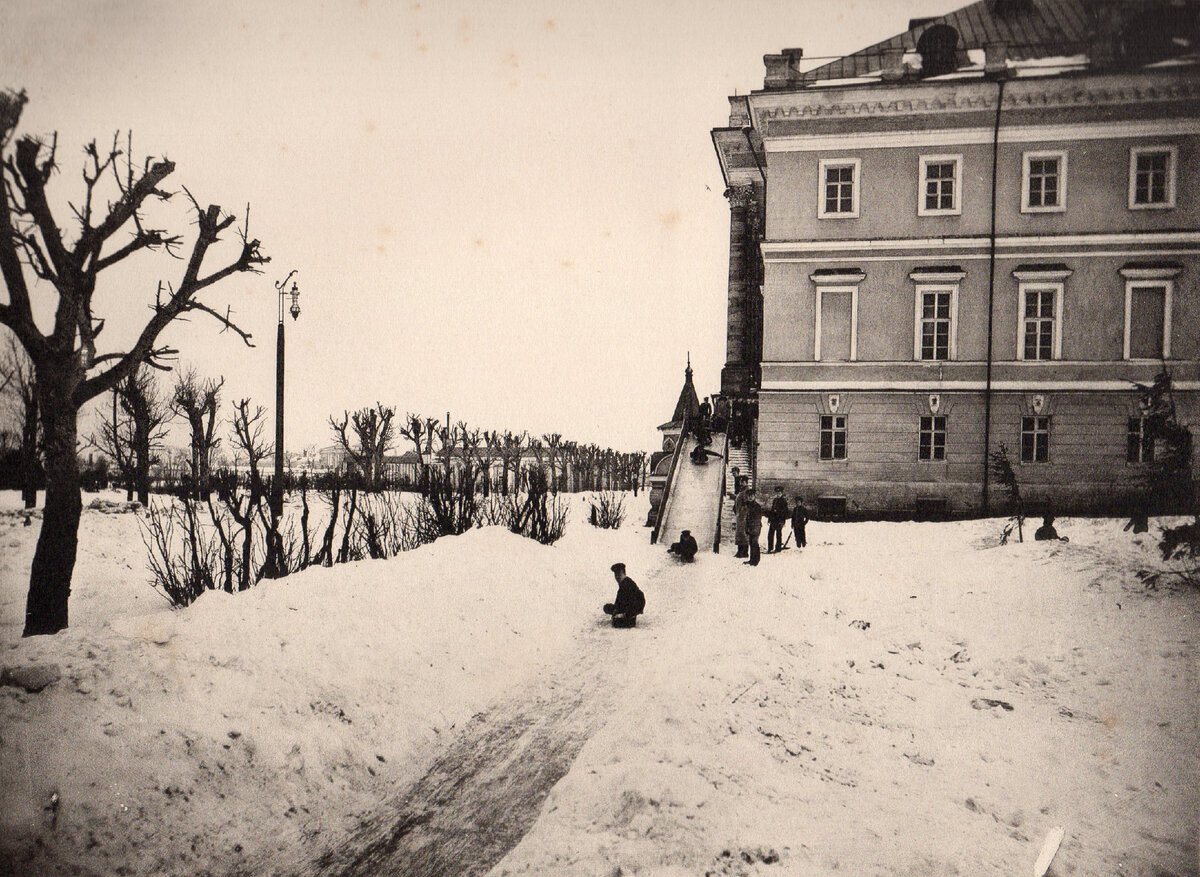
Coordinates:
(1172,163)
(856,185)
(853,290)
(1167,287)
(1161,276)
(1026,158)
(1027,286)
(923,288)
(923,163)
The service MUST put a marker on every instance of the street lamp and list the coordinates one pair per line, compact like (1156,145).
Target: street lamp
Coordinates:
(294,310)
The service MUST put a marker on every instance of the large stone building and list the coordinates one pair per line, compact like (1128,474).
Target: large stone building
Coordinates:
(979,233)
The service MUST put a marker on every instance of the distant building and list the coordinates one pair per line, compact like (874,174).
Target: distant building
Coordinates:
(978,233)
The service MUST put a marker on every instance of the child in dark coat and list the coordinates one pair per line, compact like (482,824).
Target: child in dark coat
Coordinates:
(799,519)
(685,549)
(630,602)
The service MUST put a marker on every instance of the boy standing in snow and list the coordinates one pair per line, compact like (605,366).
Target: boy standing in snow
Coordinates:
(630,602)
(739,518)
(799,519)
(753,512)
(778,517)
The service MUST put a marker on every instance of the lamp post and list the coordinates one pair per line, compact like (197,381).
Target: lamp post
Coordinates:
(294,310)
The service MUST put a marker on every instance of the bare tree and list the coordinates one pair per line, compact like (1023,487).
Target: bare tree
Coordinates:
(372,438)
(246,500)
(115,441)
(553,442)
(69,369)
(148,411)
(487,452)
(198,401)
(21,387)
(420,431)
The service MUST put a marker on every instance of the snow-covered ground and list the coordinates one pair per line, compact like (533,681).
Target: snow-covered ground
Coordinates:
(894,699)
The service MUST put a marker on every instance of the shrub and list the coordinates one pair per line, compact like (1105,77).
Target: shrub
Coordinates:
(608,510)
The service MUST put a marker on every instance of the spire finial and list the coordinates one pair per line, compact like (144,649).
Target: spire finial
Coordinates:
(688,370)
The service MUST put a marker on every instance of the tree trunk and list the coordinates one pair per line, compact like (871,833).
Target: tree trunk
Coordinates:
(29,456)
(54,557)
(142,466)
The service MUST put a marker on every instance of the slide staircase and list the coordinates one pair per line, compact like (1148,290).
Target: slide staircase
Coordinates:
(739,457)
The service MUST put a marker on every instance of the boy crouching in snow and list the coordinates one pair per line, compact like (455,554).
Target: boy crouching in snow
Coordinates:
(630,602)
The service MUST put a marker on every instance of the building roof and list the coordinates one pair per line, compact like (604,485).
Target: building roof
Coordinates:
(1037,30)
(689,403)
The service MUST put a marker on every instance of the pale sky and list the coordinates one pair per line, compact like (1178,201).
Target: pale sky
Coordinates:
(513,212)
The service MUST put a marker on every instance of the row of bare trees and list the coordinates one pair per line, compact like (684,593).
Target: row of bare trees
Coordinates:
(497,460)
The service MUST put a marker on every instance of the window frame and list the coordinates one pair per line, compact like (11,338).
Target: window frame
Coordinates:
(1035,432)
(933,432)
(840,289)
(834,430)
(1168,287)
(825,164)
(919,319)
(1172,165)
(1025,287)
(1145,449)
(1040,155)
(923,163)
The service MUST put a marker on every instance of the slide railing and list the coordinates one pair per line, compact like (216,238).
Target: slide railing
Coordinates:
(666,497)
(721,493)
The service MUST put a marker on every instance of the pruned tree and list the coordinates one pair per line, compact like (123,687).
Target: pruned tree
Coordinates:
(115,441)
(148,411)
(553,442)
(512,446)
(373,436)
(245,499)
(21,391)
(198,401)
(420,431)
(66,261)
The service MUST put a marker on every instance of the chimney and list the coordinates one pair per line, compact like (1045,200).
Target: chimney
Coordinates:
(891,67)
(783,70)
(995,58)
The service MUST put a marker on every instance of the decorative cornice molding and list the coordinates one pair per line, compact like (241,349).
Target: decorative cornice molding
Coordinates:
(968,96)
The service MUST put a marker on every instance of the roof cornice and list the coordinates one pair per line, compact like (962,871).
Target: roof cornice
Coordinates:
(946,97)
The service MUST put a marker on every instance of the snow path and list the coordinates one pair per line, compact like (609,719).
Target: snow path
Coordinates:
(481,796)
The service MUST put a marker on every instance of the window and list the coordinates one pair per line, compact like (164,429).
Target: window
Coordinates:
(940,176)
(1035,439)
(936,318)
(1041,309)
(932,444)
(1148,319)
(1152,178)
(1141,444)
(833,436)
(1044,188)
(836,331)
(838,197)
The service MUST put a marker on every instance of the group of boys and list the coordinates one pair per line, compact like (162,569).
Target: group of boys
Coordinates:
(748,514)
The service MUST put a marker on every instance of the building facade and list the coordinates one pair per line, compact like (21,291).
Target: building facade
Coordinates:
(956,242)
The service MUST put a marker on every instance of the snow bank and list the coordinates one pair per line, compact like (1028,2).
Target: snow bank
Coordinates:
(899,699)
(246,725)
